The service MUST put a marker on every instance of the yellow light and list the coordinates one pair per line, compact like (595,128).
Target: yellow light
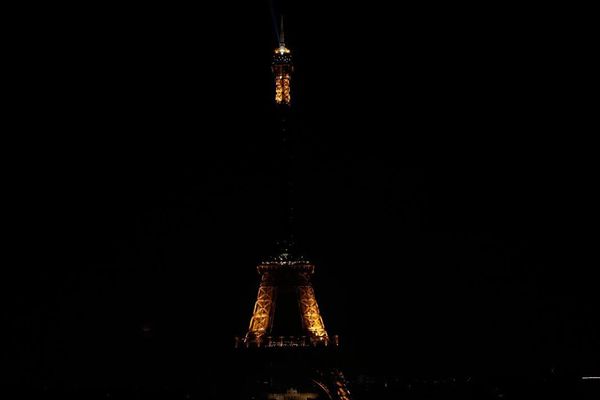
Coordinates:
(310,312)
(262,312)
(282,89)
(282,50)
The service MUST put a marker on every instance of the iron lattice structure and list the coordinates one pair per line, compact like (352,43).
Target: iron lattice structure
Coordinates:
(286,279)
(290,277)
(287,346)
(282,69)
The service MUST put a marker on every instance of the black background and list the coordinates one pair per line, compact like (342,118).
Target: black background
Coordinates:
(439,188)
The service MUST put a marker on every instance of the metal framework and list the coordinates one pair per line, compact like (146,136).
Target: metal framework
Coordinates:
(285,286)
(275,273)
(282,68)
(311,317)
(262,314)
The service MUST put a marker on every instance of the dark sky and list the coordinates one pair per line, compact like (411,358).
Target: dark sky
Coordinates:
(438,191)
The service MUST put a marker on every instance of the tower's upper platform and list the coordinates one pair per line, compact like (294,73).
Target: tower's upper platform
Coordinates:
(286,257)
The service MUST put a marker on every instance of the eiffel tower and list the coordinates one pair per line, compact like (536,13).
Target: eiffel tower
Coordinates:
(288,351)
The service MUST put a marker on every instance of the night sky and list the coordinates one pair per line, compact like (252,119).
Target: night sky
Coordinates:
(437,190)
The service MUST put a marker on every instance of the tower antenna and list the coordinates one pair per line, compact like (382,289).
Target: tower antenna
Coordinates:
(281,33)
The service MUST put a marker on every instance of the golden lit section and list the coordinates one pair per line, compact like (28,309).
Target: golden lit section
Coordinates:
(311,317)
(282,89)
(286,280)
(282,50)
(259,323)
(282,70)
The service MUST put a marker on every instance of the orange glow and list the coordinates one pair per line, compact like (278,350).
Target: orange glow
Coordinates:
(261,317)
(311,316)
(274,274)
(282,50)
(282,89)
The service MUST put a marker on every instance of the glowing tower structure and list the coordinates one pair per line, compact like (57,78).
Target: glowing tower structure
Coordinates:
(286,296)
(282,68)
(286,312)
(288,352)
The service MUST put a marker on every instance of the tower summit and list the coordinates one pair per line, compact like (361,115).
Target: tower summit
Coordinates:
(282,68)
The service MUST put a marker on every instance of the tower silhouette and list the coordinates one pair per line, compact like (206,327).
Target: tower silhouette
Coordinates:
(287,350)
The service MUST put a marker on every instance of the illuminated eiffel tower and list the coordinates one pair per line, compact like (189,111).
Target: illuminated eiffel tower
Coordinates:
(292,355)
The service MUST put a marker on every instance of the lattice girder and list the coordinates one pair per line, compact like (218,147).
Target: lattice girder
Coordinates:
(263,312)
